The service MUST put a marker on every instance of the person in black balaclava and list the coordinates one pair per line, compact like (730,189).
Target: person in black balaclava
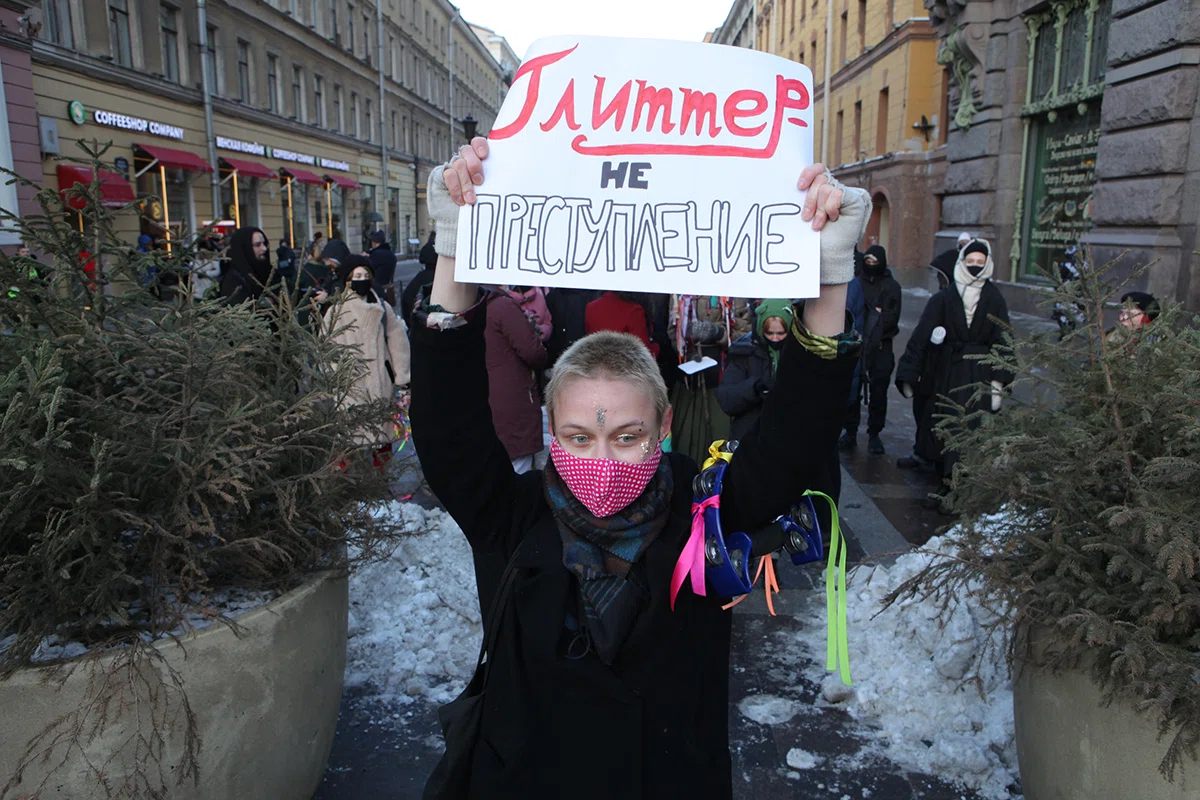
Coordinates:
(881,296)
(249,266)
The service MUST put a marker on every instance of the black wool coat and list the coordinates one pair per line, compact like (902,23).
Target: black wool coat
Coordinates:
(936,371)
(654,724)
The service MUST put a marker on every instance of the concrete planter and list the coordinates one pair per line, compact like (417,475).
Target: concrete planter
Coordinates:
(266,702)
(1072,747)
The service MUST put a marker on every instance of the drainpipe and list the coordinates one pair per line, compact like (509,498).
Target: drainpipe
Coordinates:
(215,175)
(383,149)
(450,69)
(828,70)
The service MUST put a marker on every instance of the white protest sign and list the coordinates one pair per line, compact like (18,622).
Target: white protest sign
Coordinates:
(644,165)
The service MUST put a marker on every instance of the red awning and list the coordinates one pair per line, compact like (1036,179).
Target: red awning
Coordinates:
(249,169)
(302,176)
(175,159)
(344,183)
(115,191)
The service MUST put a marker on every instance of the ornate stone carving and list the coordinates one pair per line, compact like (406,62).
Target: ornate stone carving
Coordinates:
(961,49)
(956,54)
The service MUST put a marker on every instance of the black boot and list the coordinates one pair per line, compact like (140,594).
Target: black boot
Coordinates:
(848,441)
(875,445)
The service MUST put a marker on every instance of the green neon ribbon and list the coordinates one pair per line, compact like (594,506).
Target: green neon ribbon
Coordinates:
(837,636)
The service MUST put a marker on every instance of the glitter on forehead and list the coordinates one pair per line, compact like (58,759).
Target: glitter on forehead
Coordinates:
(600,416)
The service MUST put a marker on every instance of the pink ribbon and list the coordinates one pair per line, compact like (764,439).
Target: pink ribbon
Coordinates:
(691,560)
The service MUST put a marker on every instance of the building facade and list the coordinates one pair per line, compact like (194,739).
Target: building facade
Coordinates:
(879,103)
(738,29)
(310,99)
(1076,121)
(19,125)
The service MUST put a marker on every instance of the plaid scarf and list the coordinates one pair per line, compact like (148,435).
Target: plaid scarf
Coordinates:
(600,553)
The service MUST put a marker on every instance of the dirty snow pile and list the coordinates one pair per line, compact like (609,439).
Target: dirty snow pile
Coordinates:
(908,672)
(414,616)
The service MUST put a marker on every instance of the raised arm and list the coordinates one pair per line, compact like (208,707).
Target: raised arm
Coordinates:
(801,417)
(462,458)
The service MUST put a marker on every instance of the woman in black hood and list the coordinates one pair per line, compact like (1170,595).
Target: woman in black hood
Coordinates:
(249,266)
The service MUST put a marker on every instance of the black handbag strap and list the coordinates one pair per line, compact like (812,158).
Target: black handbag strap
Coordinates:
(495,612)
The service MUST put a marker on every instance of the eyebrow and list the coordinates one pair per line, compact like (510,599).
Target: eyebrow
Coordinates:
(575,426)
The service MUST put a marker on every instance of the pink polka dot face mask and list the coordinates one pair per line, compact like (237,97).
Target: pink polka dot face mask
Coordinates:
(604,485)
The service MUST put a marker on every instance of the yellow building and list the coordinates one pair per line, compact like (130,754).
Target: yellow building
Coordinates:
(880,102)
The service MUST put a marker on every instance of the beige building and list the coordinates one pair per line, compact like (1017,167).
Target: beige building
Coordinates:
(309,99)
(885,98)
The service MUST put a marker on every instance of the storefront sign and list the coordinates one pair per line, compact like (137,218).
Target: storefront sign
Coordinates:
(138,124)
(77,112)
(288,155)
(1060,202)
(253,148)
(329,163)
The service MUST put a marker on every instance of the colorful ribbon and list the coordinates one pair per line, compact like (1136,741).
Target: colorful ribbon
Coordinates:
(691,560)
(766,565)
(837,637)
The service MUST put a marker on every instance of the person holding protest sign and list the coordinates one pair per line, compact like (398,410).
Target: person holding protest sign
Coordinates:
(599,677)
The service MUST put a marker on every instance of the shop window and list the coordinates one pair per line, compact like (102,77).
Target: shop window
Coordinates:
(1067,51)
(246,211)
(243,71)
(118,32)
(57,14)
(168,215)
(337,213)
(169,33)
(295,213)
(273,84)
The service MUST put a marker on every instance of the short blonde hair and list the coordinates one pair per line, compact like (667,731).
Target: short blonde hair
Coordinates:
(608,354)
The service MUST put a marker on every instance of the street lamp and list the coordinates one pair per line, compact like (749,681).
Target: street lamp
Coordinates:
(470,127)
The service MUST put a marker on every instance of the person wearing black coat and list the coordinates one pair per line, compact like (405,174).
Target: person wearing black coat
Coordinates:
(603,682)
(966,319)
(568,315)
(249,269)
(881,323)
(411,294)
(748,380)
(428,255)
(383,265)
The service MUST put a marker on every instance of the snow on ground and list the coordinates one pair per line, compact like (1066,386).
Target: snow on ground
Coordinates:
(908,672)
(414,616)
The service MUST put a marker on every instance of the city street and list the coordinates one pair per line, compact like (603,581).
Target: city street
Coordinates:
(387,751)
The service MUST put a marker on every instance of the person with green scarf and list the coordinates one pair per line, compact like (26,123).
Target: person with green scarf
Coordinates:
(753,360)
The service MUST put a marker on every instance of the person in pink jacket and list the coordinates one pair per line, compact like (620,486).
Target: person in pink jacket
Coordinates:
(532,301)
